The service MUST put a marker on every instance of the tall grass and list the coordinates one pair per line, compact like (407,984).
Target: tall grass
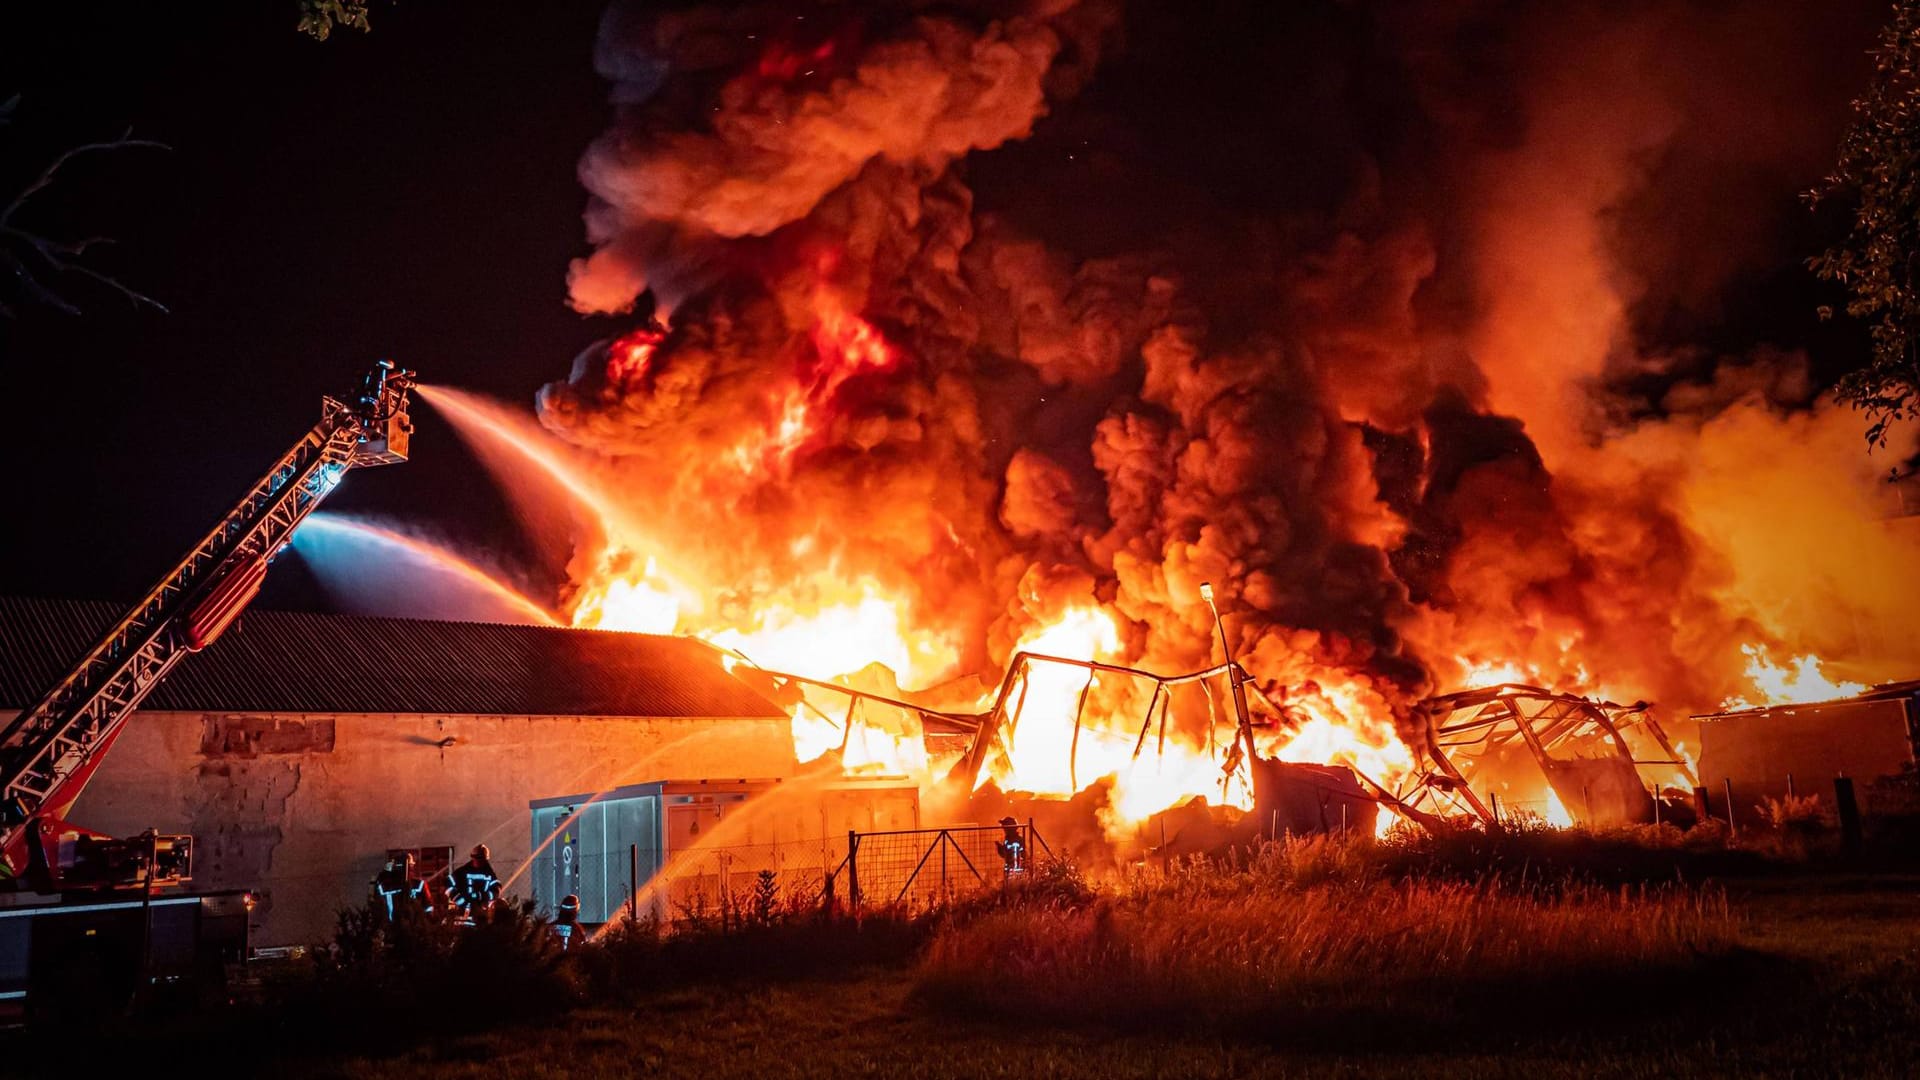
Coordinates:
(1309,934)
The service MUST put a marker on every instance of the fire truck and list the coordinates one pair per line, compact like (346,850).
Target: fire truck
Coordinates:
(90,921)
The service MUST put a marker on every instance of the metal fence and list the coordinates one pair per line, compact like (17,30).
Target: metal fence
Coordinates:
(915,868)
(704,879)
(920,868)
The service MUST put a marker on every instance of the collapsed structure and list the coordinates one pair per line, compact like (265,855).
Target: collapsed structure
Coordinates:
(308,746)
(1512,737)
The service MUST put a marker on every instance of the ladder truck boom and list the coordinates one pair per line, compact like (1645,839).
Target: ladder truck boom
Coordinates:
(51,749)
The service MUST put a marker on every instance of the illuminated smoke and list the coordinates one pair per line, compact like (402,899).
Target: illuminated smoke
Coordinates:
(1429,410)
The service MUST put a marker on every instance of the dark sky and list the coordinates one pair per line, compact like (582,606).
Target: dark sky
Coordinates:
(409,194)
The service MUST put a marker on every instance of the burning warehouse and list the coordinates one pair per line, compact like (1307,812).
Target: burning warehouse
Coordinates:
(930,406)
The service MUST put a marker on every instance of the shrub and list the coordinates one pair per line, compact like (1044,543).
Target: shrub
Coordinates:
(1793,812)
(421,973)
(1796,820)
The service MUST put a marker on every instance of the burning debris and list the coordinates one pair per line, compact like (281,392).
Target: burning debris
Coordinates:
(940,463)
(1560,758)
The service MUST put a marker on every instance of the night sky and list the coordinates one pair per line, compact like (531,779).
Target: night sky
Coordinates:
(408,193)
(411,194)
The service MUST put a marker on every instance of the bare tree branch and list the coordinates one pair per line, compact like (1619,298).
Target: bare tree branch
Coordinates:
(125,141)
(55,256)
(58,257)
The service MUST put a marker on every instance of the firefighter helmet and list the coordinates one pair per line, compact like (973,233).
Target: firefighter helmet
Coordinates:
(480,852)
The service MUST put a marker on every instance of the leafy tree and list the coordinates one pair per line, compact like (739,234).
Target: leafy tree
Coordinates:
(319,18)
(1879,261)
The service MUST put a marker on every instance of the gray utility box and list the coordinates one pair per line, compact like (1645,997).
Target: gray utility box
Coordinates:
(675,848)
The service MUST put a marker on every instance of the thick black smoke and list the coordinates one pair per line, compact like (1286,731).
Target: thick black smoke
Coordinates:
(1337,305)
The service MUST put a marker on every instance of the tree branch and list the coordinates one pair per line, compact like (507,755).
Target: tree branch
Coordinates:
(53,254)
(125,141)
(59,257)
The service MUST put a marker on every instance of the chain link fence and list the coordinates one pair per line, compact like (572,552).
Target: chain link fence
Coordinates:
(915,869)
(922,868)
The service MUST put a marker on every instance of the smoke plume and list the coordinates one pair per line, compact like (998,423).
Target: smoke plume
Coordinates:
(1415,329)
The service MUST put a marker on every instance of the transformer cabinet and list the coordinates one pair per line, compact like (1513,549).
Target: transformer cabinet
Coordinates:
(674,849)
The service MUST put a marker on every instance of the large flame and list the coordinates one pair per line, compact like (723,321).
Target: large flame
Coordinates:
(1799,681)
(1437,440)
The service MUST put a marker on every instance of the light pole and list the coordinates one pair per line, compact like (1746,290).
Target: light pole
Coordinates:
(1233,677)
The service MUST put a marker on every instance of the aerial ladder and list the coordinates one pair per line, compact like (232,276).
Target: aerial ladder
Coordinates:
(50,751)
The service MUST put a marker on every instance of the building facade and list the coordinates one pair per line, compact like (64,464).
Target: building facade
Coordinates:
(300,748)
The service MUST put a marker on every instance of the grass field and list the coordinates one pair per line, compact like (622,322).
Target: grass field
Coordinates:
(1515,955)
(1830,987)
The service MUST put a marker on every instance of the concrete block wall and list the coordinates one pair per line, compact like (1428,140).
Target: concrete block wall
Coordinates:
(301,808)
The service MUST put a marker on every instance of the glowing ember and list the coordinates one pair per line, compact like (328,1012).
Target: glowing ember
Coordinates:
(1798,682)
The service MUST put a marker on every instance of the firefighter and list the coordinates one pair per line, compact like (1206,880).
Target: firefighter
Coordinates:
(567,921)
(1012,847)
(398,888)
(473,886)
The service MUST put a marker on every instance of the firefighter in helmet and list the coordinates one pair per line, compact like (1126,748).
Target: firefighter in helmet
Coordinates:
(566,922)
(397,888)
(473,886)
(1012,847)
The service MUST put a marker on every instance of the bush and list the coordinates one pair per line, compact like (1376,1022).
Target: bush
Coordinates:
(1793,812)
(1796,822)
(427,975)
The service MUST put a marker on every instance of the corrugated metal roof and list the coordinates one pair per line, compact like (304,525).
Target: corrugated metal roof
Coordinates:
(280,661)
(1905,688)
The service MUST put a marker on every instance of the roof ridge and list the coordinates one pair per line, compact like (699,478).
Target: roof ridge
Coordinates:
(309,661)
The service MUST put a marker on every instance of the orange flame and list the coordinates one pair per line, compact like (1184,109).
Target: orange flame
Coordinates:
(629,357)
(1800,681)
(829,624)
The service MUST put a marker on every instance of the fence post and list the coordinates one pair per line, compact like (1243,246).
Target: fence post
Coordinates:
(1702,804)
(944,841)
(853,870)
(1849,808)
(633,882)
(1733,827)
(1790,792)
